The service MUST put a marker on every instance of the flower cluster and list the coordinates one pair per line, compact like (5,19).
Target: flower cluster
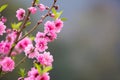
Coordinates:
(17,41)
(20,14)
(7,64)
(33,74)
(2,28)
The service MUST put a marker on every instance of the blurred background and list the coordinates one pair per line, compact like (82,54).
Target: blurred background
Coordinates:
(88,47)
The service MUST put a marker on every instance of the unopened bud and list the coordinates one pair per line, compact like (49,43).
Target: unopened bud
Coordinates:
(52,15)
(56,7)
(47,8)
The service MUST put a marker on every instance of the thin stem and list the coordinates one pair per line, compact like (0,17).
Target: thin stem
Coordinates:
(26,19)
(39,22)
(29,32)
(21,61)
(22,27)
(18,34)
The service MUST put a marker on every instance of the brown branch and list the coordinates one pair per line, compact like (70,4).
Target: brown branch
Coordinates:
(19,32)
(22,27)
(39,22)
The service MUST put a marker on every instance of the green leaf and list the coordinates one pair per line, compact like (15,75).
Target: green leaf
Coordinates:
(37,1)
(32,38)
(46,69)
(22,72)
(28,23)
(54,11)
(38,66)
(64,19)
(58,14)
(16,26)
(13,57)
(3,7)
(13,25)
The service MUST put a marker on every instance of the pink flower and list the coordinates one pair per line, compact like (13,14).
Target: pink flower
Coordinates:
(3,19)
(8,30)
(2,28)
(20,78)
(1,46)
(41,7)
(58,25)
(33,74)
(20,14)
(30,51)
(39,36)
(45,76)
(5,47)
(49,26)
(45,59)
(13,53)
(7,64)
(32,10)
(23,43)
(11,37)
(50,36)
(41,45)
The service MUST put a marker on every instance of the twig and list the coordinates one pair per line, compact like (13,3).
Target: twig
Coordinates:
(39,22)
(21,61)
(18,34)
(22,27)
